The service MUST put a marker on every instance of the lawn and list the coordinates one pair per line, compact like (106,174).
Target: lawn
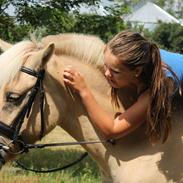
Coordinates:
(42,159)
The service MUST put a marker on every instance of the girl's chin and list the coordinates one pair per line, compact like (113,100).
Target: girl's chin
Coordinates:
(113,84)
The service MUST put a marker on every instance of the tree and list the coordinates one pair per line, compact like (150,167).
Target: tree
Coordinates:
(56,16)
(169,36)
(53,15)
(6,22)
(103,26)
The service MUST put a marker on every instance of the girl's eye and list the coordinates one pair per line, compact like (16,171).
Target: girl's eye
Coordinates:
(115,72)
(111,70)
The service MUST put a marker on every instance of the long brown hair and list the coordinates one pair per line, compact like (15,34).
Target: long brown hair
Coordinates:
(136,51)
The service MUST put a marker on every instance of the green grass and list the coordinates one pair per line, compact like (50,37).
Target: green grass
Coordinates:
(85,171)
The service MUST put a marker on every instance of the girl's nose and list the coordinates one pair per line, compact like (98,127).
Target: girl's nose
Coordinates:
(107,73)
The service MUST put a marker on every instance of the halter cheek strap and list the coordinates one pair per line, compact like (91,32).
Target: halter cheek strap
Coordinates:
(12,132)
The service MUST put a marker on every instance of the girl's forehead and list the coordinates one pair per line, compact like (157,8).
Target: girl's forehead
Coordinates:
(107,49)
(112,61)
(110,58)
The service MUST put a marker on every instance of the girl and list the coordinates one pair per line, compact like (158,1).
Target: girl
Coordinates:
(132,61)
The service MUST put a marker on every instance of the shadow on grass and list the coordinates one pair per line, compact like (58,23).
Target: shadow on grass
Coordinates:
(44,159)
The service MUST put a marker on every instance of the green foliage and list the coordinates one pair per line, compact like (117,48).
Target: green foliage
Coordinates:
(59,17)
(118,9)
(6,25)
(6,22)
(103,26)
(169,36)
(54,15)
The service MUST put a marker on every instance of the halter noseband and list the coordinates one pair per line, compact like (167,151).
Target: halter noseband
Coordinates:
(13,132)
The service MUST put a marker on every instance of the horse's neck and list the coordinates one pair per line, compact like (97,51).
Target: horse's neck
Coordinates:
(67,107)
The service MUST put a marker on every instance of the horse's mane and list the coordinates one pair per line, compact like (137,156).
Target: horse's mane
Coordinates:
(86,48)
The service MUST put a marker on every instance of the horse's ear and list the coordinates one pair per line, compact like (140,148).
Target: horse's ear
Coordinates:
(47,53)
(4,45)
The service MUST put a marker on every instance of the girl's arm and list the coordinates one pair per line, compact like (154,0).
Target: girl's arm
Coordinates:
(126,122)
(123,124)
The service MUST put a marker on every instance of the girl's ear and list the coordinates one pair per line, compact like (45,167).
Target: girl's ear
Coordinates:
(47,53)
(138,71)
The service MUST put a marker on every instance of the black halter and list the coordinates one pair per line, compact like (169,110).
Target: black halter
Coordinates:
(13,132)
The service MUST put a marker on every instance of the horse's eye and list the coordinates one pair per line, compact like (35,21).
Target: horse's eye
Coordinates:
(12,97)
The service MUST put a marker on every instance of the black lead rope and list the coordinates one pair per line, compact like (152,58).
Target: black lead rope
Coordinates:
(34,146)
(53,169)
(31,146)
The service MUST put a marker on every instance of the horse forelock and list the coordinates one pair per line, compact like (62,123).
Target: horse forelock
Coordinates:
(12,59)
(87,48)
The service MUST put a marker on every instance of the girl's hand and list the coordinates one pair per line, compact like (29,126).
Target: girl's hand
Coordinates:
(74,79)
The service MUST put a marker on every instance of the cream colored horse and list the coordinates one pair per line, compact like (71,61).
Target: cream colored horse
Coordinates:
(132,159)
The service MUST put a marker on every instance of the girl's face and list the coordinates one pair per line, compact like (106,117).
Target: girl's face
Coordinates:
(117,74)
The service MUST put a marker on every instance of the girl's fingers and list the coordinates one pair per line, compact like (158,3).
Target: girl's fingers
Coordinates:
(68,75)
(67,70)
(71,74)
(70,69)
(67,81)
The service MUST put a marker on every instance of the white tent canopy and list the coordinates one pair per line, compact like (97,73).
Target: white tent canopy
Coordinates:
(149,15)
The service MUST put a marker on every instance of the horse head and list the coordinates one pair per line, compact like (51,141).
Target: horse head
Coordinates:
(21,80)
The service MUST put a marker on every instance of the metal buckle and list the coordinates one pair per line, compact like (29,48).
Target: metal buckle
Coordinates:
(20,144)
